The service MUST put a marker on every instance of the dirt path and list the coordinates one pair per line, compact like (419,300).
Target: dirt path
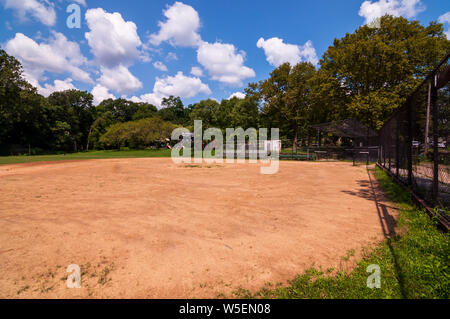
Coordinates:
(147,228)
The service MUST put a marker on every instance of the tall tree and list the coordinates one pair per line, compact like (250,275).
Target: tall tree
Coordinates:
(287,96)
(172,110)
(207,111)
(377,68)
(74,108)
(23,113)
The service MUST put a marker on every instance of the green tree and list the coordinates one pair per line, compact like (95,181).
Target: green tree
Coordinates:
(121,109)
(23,113)
(172,110)
(99,127)
(245,113)
(74,108)
(377,68)
(137,134)
(144,110)
(287,96)
(207,111)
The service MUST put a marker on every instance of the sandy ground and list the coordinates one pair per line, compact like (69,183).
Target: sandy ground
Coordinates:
(147,228)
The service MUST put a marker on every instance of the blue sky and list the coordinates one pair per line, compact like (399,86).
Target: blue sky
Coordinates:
(147,50)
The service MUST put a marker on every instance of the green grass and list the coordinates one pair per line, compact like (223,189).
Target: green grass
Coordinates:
(414,263)
(85,156)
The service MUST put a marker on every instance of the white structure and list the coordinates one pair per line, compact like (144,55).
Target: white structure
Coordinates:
(271,146)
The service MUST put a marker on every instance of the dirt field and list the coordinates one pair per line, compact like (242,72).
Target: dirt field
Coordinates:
(147,228)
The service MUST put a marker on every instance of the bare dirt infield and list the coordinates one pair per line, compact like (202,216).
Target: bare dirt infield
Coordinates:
(147,228)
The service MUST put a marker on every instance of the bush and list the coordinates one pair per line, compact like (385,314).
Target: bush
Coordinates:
(136,134)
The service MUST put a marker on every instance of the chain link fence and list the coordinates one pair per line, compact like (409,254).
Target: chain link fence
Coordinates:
(415,141)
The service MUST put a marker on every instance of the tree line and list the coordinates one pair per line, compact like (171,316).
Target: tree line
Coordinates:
(365,75)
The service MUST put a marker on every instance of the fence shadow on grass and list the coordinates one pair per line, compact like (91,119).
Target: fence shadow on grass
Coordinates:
(388,227)
(387,221)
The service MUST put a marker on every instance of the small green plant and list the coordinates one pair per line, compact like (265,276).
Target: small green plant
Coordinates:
(25,288)
(103,279)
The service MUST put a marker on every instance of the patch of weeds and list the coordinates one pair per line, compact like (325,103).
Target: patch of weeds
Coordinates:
(45,289)
(349,254)
(25,288)
(103,279)
(242,293)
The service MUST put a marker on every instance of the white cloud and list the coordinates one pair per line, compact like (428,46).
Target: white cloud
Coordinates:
(197,71)
(160,66)
(238,95)
(180,28)
(119,79)
(40,10)
(171,56)
(57,86)
(113,40)
(445,19)
(101,93)
(277,52)
(178,85)
(150,98)
(223,63)
(308,52)
(58,55)
(405,8)
(116,46)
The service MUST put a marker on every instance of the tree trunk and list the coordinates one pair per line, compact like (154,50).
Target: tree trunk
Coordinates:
(89,135)
(295,142)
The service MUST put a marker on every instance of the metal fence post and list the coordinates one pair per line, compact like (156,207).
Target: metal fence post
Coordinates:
(410,109)
(435,139)
(397,149)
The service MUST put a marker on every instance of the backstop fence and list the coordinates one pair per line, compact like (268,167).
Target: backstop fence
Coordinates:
(415,141)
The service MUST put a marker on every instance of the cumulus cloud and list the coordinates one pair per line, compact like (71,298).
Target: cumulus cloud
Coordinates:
(197,71)
(277,52)
(101,93)
(119,79)
(178,85)
(57,55)
(171,56)
(445,19)
(180,28)
(57,86)
(160,66)
(238,95)
(112,40)
(308,52)
(40,10)
(116,46)
(370,11)
(224,63)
